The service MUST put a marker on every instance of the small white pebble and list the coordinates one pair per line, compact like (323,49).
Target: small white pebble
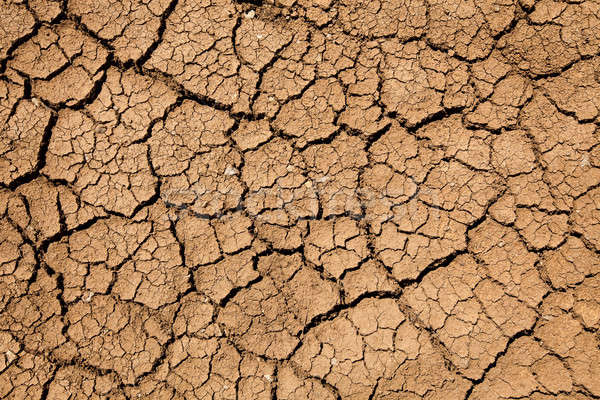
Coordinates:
(268,378)
(35,101)
(225,387)
(328,36)
(333,361)
(259,36)
(88,297)
(230,170)
(501,244)
(250,14)
(322,179)
(290,168)
(585,162)
(10,356)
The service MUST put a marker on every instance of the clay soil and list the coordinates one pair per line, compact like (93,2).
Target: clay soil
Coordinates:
(300,199)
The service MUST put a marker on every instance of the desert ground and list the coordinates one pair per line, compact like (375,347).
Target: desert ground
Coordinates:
(299,199)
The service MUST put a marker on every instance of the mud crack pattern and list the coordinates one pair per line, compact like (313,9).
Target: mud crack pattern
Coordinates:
(299,199)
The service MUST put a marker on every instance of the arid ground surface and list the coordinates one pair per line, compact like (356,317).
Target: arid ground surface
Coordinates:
(299,199)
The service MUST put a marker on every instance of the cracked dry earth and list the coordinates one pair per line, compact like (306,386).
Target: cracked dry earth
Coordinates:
(300,199)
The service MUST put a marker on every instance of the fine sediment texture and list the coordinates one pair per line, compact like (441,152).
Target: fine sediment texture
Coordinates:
(299,199)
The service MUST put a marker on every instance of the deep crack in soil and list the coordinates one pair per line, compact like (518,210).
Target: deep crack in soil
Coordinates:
(299,199)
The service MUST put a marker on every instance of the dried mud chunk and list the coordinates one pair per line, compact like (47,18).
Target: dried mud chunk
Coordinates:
(81,384)
(541,230)
(467,146)
(508,261)
(251,134)
(503,210)
(63,62)
(550,127)
(334,170)
(234,232)
(21,140)
(155,276)
(258,41)
(285,237)
(279,190)
(17,263)
(199,171)
(362,113)
(199,240)
(459,303)
(423,231)
(336,245)
(488,72)
(189,130)
(587,306)
(405,19)
(419,82)
(46,10)
(370,277)
(562,334)
(98,151)
(464,193)
(198,368)
(132,99)
(577,91)
(586,217)
(218,280)
(265,165)
(109,241)
(75,212)
(26,377)
(287,77)
(37,212)
(290,386)
(89,259)
(524,369)
(10,93)
(568,150)
(312,116)
(568,265)
(131,27)
(468,27)
(402,153)
(35,319)
(333,52)
(372,348)
(407,255)
(194,316)
(257,379)
(531,190)
(547,48)
(512,154)
(9,348)
(18,23)
(502,109)
(267,317)
(125,338)
(197,50)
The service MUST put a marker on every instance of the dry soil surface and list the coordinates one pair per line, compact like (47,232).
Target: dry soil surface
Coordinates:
(300,199)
